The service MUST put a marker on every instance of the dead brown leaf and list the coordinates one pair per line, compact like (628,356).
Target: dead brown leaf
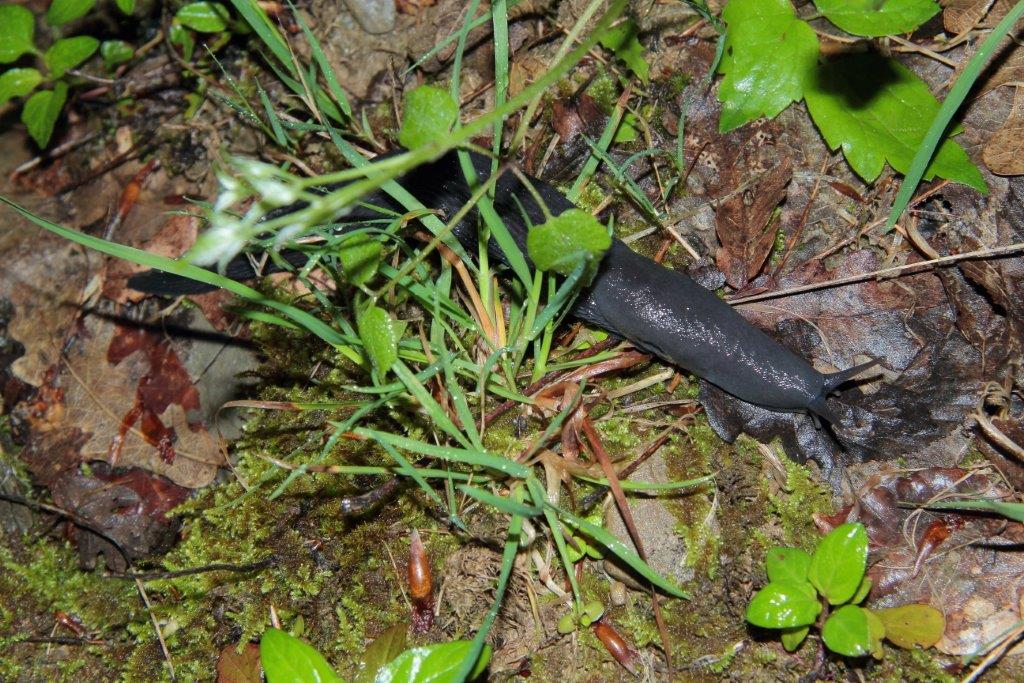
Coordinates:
(240,667)
(173,239)
(960,16)
(1004,152)
(744,222)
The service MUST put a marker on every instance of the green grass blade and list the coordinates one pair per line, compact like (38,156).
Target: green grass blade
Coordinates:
(265,29)
(506,505)
(622,551)
(464,456)
(628,485)
(1014,511)
(954,99)
(436,412)
(540,498)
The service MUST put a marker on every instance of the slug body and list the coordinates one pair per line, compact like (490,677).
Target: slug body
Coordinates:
(659,310)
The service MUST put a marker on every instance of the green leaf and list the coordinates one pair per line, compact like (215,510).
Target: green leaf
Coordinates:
(784,605)
(873,18)
(63,11)
(432,664)
(862,591)
(359,256)
(430,113)
(205,17)
(41,111)
(1014,511)
(787,565)
(126,6)
(381,651)
(838,563)
(115,52)
(910,625)
(67,53)
(876,631)
(846,632)
(877,110)
(17,30)
(181,36)
(18,83)
(380,334)
(769,59)
(286,659)
(560,243)
(792,638)
(622,40)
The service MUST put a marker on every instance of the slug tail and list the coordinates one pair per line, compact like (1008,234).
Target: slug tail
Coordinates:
(836,379)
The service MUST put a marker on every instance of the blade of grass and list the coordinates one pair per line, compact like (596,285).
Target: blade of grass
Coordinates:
(464,456)
(954,99)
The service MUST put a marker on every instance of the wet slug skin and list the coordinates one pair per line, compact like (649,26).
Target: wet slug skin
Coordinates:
(658,309)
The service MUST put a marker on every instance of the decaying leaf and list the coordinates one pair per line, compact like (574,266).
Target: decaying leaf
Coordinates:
(744,223)
(126,391)
(240,667)
(1004,152)
(960,16)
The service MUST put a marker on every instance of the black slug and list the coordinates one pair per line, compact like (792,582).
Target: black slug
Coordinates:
(659,310)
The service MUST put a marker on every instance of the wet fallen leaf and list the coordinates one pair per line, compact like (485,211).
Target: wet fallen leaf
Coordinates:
(1004,152)
(744,222)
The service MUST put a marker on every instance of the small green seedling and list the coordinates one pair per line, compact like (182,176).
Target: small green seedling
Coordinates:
(581,616)
(802,588)
(42,75)
(210,18)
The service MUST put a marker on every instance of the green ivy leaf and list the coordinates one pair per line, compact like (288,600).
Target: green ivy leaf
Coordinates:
(433,664)
(622,40)
(910,625)
(205,17)
(17,30)
(846,632)
(115,52)
(359,256)
(838,563)
(784,605)
(787,565)
(380,335)
(18,83)
(67,53)
(877,110)
(559,243)
(63,11)
(430,113)
(126,6)
(873,18)
(769,59)
(793,637)
(41,111)
(286,659)
(381,651)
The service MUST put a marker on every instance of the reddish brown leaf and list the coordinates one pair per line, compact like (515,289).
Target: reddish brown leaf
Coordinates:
(743,223)
(240,667)
(1004,152)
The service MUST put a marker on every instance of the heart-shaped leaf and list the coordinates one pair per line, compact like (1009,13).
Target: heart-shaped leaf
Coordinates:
(784,605)
(846,632)
(787,565)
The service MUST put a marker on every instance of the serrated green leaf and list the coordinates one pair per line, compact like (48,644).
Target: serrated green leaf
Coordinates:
(381,652)
(41,111)
(793,637)
(433,664)
(63,11)
(622,40)
(18,83)
(359,256)
(17,30)
(67,53)
(878,111)
(910,625)
(379,334)
(784,605)
(837,566)
(286,659)
(873,18)
(559,243)
(787,565)
(429,114)
(126,6)
(769,58)
(846,632)
(205,17)
(115,52)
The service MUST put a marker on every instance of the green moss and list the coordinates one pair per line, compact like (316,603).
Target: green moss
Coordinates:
(795,505)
